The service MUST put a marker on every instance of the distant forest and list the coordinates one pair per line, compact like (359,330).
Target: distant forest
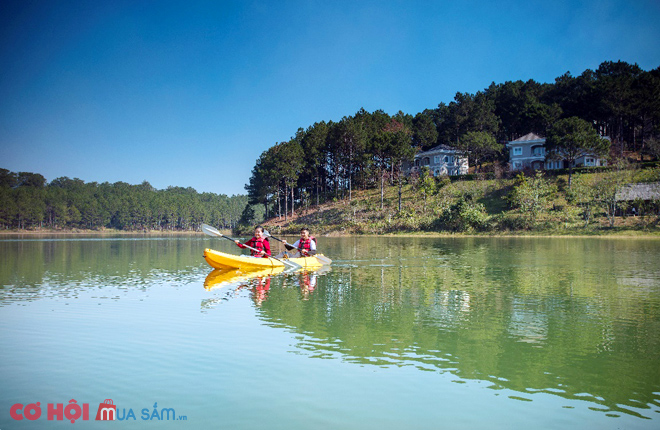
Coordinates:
(27,201)
(328,160)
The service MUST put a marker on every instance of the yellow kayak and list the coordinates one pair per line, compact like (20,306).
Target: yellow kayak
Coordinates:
(222,260)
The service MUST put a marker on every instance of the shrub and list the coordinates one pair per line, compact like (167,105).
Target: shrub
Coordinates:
(512,222)
(464,216)
(531,195)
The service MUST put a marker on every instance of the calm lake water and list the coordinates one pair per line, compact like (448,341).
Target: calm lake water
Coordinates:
(421,333)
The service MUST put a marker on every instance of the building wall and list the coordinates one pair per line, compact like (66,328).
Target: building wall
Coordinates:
(526,154)
(441,162)
(531,154)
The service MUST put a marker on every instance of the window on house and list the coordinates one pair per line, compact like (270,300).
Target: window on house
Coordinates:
(426,161)
(517,151)
(589,162)
(436,159)
(538,151)
(446,159)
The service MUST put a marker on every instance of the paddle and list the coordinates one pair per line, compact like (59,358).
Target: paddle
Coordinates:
(207,229)
(322,258)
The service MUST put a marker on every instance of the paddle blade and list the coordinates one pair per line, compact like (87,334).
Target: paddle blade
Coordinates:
(207,229)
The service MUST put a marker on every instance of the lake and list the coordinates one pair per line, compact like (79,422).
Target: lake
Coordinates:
(418,333)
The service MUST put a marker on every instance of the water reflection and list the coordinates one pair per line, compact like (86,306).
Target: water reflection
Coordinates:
(57,267)
(258,283)
(235,281)
(574,318)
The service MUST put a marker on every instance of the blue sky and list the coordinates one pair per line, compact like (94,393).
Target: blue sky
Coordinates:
(190,93)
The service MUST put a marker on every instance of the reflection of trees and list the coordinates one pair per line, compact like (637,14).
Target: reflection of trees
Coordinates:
(38,268)
(526,314)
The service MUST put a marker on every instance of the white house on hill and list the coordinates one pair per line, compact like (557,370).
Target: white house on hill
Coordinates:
(441,160)
(529,152)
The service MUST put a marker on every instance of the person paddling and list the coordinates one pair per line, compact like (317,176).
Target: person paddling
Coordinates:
(259,242)
(306,245)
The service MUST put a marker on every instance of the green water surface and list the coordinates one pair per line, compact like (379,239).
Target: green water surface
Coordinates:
(397,333)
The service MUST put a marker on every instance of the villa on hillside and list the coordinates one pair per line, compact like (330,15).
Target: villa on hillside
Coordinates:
(441,160)
(529,152)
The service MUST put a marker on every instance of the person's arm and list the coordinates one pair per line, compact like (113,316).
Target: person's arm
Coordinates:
(241,245)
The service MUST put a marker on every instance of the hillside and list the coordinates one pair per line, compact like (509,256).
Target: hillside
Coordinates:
(532,204)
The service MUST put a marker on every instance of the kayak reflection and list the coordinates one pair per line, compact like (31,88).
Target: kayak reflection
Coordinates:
(258,281)
(219,278)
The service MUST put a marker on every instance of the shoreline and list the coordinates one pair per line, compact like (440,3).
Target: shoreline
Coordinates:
(627,234)
(77,232)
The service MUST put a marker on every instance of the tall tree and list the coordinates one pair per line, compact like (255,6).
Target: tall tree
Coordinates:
(315,171)
(572,138)
(400,148)
(614,83)
(7,178)
(289,161)
(352,142)
(378,147)
(519,106)
(424,132)
(646,98)
(576,96)
(479,146)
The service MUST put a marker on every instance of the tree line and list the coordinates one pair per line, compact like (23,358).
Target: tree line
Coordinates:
(370,149)
(28,201)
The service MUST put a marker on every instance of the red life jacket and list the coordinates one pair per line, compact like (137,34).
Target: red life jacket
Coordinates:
(307,244)
(258,244)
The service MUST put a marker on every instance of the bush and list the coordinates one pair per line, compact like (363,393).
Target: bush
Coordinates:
(648,175)
(442,181)
(464,216)
(531,195)
(512,222)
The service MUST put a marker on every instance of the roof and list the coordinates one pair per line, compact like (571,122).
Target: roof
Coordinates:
(529,137)
(441,147)
(648,191)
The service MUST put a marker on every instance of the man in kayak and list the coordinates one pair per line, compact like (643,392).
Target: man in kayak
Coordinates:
(306,245)
(258,242)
